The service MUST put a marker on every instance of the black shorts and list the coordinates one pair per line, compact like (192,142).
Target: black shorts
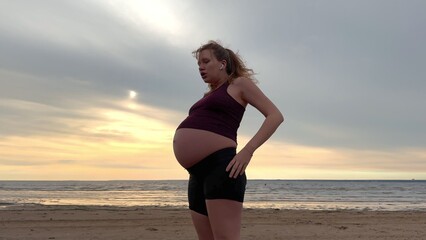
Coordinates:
(208,179)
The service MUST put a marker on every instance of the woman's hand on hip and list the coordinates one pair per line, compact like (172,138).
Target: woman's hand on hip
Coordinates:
(239,163)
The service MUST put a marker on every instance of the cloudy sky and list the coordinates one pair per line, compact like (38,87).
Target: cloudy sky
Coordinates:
(94,89)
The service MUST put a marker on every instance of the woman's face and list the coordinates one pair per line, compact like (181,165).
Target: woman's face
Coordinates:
(209,67)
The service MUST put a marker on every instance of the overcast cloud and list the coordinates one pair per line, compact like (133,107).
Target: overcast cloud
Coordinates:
(346,74)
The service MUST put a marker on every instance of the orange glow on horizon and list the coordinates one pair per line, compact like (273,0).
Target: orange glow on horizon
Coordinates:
(137,144)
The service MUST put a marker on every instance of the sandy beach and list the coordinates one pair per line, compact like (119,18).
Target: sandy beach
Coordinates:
(88,222)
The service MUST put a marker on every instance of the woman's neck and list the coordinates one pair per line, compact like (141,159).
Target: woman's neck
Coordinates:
(216,85)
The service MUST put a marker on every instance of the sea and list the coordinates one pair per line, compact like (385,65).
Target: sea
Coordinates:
(374,195)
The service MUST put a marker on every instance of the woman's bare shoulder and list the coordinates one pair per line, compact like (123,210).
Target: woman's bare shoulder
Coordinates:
(243,82)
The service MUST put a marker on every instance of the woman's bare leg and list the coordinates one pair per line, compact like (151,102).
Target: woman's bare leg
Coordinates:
(225,218)
(202,226)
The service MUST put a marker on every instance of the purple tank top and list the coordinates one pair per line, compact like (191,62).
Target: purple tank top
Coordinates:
(216,112)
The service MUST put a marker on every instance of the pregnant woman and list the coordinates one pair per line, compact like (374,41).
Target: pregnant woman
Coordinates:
(205,142)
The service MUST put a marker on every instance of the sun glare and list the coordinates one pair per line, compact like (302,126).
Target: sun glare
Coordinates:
(132,94)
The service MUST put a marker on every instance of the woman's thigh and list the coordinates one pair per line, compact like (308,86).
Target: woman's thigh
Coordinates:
(202,226)
(225,218)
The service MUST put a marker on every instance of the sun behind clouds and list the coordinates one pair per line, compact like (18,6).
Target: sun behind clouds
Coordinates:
(132,94)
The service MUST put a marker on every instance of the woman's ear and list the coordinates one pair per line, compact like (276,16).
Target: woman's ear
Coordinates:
(223,65)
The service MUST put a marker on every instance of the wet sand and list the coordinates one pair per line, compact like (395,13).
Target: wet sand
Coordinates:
(90,222)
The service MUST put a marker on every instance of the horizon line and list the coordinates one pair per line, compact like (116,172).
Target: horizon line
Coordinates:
(257,179)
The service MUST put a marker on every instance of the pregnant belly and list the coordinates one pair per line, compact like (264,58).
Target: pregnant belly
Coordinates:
(192,145)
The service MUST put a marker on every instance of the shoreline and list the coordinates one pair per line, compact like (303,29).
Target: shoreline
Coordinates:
(282,194)
(104,222)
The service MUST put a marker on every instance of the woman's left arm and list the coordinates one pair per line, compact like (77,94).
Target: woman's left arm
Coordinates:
(273,118)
